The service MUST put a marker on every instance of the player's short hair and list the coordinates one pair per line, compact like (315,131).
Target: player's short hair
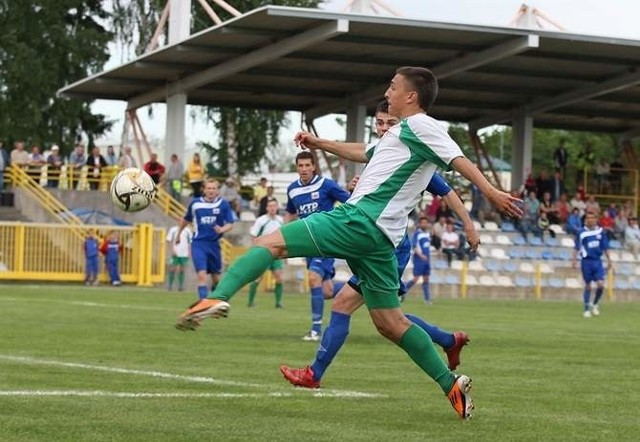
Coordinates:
(211,180)
(423,218)
(383,106)
(423,81)
(306,155)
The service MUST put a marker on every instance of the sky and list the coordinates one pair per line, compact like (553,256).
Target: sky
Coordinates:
(611,18)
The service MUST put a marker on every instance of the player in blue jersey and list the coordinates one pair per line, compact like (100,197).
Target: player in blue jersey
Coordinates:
(309,194)
(349,299)
(421,243)
(591,243)
(212,217)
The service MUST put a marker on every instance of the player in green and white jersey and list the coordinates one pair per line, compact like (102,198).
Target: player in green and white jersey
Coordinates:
(265,224)
(366,229)
(179,255)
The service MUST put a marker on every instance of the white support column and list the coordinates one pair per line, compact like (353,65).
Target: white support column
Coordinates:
(179,29)
(521,149)
(356,120)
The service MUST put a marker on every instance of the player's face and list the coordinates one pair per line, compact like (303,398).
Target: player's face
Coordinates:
(398,95)
(424,224)
(384,121)
(306,169)
(210,191)
(590,220)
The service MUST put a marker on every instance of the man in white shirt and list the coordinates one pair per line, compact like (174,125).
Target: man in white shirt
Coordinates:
(179,255)
(632,237)
(450,243)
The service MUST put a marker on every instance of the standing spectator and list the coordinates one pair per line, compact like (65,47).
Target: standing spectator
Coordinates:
(19,156)
(77,161)
(262,209)
(530,184)
(195,175)
(35,163)
(95,164)
(111,157)
(228,192)
(54,167)
(578,203)
(543,184)
(126,159)
(91,256)
(632,237)
(591,205)
(450,243)
(574,222)
(111,249)
(175,174)
(259,192)
(557,186)
(4,163)
(154,168)
(561,158)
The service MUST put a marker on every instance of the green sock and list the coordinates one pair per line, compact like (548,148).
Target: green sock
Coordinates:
(245,269)
(181,279)
(278,292)
(253,290)
(172,276)
(419,346)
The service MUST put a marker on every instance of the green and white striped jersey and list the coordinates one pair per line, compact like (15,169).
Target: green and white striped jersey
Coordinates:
(400,167)
(265,225)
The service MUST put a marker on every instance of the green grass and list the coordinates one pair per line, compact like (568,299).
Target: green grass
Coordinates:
(540,371)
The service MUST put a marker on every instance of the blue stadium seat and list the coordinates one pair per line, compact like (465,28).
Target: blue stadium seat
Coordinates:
(493,266)
(624,269)
(439,264)
(436,278)
(508,227)
(516,253)
(556,283)
(636,284)
(452,279)
(622,284)
(535,241)
(510,266)
(562,254)
(519,241)
(551,242)
(547,254)
(615,244)
(533,253)
(523,281)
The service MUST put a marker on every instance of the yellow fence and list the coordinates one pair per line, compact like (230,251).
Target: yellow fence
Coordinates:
(51,252)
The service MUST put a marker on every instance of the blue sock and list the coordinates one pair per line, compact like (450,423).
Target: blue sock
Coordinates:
(317,309)
(337,286)
(332,340)
(203,291)
(409,284)
(425,291)
(586,296)
(599,292)
(443,338)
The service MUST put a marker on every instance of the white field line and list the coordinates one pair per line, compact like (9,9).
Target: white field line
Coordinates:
(145,395)
(197,379)
(88,304)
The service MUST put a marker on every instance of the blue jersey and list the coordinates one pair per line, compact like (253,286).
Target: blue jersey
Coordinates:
(591,243)
(422,240)
(91,247)
(205,215)
(319,195)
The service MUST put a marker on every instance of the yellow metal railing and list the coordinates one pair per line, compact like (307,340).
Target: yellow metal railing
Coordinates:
(33,252)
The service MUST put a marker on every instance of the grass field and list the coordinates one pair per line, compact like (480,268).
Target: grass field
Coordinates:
(105,364)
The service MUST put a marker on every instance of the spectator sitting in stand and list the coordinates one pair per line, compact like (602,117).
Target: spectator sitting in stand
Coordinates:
(444,211)
(577,202)
(450,243)
(632,237)
(487,213)
(613,210)
(154,168)
(607,223)
(229,193)
(592,205)
(547,207)
(574,222)
(432,210)
(542,226)
(621,222)
(437,229)
(262,208)
(562,208)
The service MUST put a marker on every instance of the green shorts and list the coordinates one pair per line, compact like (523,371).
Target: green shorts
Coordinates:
(278,264)
(179,261)
(347,233)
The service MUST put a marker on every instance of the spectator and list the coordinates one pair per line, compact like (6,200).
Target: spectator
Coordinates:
(542,226)
(557,186)
(228,192)
(592,205)
(530,215)
(487,213)
(607,223)
(432,210)
(154,168)
(54,167)
(602,176)
(35,163)
(111,157)
(4,163)
(561,158)
(19,156)
(530,184)
(574,222)
(262,209)
(95,164)
(77,161)
(444,211)
(126,159)
(543,184)
(562,208)
(549,209)
(450,243)
(111,249)
(195,175)
(91,256)
(476,200)
(578,203)
(621,222)
(174,177)
(260,191)
(436,233)
(632,237)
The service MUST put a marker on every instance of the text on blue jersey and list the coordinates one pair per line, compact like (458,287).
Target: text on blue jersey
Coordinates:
(318,195)
(206,214)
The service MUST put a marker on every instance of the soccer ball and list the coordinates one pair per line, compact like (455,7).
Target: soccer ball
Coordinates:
(132,190)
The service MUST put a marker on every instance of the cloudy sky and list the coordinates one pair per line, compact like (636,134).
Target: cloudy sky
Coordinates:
(614,18)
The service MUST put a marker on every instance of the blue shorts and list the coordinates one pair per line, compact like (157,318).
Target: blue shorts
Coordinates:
(592,270)
(206,256)
(322,266)
(420,267)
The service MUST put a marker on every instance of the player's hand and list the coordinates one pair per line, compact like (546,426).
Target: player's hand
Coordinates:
(505,203)
(305,140)
(177,241)
(217,229)
(352,183)
(473,237)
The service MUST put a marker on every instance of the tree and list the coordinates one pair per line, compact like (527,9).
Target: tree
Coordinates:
(43,46)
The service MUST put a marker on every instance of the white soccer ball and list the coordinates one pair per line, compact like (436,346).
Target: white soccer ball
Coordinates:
(132,190)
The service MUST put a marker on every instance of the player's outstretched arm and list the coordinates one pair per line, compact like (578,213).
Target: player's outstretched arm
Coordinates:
(453,200)
(502,201)
(349,151)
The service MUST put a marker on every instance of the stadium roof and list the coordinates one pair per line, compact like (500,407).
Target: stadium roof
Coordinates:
(320,62)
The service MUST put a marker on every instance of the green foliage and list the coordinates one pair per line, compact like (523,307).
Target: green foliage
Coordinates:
(43,46)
